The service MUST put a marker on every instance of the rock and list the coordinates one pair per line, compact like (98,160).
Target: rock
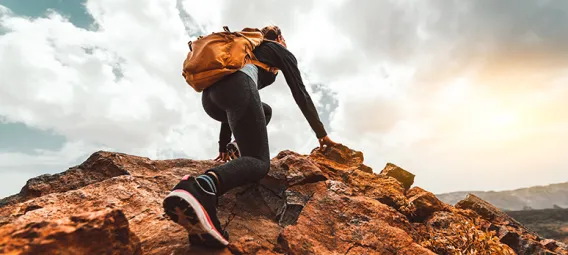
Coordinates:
(102,232)
(365,168)
(510,231)
(511,238)
(336,224)
(339,187)
(98,167)
(250,245)
(403,176)
(297,169)
(549,244)
(486,210)
(95,169)
(382,188)
(327,202)
(425,204)
(295,202)
(338,159)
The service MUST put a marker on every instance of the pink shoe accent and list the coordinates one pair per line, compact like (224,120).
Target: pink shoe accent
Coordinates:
(185,178)
(206,214)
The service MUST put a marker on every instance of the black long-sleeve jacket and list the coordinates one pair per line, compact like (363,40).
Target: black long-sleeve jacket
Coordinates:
(276,55)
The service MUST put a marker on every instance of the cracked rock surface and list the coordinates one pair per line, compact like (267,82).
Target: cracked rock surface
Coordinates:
(322,203)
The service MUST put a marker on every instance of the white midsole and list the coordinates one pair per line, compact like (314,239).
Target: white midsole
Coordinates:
(200,214)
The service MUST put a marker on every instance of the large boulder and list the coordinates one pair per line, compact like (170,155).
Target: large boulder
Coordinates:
(327,202)
(101,232)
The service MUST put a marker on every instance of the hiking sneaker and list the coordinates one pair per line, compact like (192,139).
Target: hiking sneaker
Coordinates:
(194,208)
(233,150)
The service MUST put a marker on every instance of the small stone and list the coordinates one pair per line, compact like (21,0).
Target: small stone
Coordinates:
(425,204)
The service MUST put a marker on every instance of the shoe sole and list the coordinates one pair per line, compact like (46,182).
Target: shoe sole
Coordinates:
(233,151)
(183,209)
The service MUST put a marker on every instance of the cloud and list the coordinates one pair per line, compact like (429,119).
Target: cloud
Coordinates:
(105,86)
(453,91)
(452,80)
(117,86)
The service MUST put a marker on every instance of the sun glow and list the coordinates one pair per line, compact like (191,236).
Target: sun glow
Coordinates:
(497,125)
(502,120)
(480,116)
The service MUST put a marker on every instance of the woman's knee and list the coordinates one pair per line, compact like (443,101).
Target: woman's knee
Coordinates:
(265,166)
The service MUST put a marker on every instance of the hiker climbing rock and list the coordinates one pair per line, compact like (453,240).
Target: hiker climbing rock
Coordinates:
(230,150)
(230,96)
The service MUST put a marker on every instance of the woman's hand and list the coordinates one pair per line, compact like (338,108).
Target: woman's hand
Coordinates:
(326,142)
(222,157)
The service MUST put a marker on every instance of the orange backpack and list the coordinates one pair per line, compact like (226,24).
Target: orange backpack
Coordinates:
(219,54)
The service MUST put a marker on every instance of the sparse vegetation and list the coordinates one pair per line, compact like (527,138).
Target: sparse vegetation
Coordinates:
(462,238)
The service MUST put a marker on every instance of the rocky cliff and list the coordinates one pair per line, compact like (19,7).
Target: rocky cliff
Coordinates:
(322,203)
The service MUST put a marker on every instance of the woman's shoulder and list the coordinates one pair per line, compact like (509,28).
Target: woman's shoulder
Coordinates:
(272,44)
(275,49)
(268,42)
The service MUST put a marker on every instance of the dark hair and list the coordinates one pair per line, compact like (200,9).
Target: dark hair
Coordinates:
(271,32)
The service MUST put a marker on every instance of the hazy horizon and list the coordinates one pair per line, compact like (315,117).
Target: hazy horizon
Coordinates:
(467,95)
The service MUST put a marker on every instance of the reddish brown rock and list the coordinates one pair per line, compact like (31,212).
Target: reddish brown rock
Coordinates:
(486,210)
(550,244)
(322,203)
(98,167)
(509,231)
(251,245)
(95,169)
(296,169)
(338,159)
(102,232)
(424,203)
(555,246)
(382,188)
(403,176)
(365,168)
(332,223)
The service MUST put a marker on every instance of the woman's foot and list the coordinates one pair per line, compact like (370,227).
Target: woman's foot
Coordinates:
(194,208)
(233,150)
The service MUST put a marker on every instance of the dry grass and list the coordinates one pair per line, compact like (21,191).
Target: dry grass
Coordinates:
(462,237)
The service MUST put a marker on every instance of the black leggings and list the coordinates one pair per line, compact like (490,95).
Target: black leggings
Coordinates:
(235,100)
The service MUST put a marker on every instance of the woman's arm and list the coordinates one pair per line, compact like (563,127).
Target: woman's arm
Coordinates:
(277,56)
(224,137)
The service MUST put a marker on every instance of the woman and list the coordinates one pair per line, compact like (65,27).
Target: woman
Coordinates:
(235,100)
(230,150)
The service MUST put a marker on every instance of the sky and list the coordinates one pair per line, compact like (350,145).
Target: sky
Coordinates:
(467,95)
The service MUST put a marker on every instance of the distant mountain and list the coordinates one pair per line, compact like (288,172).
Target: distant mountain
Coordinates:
(537,197)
